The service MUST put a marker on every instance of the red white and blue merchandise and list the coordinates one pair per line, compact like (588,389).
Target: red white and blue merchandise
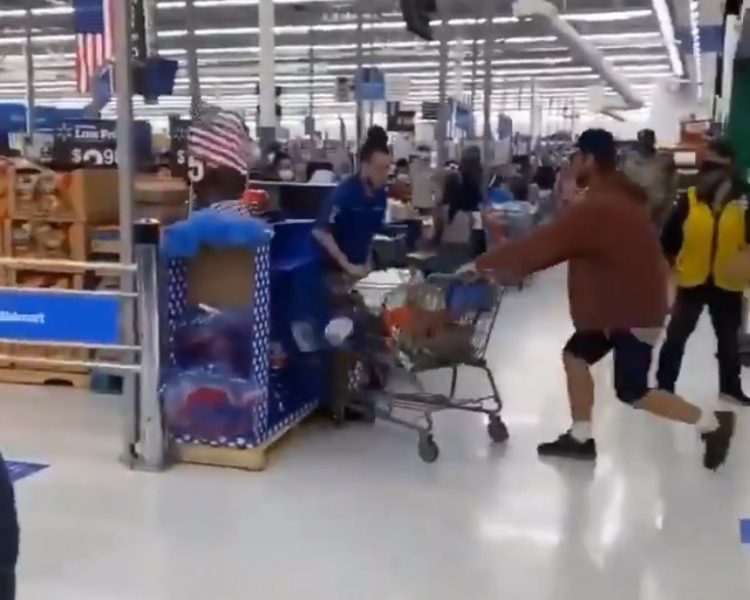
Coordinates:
(93,22)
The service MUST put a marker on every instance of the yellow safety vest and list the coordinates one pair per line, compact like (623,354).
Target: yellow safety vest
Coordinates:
(709,242)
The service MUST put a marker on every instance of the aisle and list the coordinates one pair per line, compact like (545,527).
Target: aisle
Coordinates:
(354,514)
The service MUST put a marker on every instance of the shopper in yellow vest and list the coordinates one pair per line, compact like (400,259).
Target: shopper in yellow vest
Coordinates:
(706,231)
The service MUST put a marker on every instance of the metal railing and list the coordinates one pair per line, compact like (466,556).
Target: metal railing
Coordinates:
(125,323)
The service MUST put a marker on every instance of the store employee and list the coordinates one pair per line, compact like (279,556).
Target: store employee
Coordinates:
(354,213)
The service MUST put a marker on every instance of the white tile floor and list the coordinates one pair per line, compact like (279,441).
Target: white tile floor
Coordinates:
(354,514)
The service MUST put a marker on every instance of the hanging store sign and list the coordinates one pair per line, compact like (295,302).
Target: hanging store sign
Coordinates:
(430,111)
(91,143)
(397,87)
(462,117)
(370,84)
(45,316)
(403,121)
(182,165)
(343,91)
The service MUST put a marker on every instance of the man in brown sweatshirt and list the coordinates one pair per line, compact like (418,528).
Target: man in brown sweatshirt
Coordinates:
(617,285)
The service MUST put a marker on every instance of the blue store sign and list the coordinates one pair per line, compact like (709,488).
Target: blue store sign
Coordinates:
(59,317)
(370,84)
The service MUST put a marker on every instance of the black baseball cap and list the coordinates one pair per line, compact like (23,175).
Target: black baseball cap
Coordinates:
(599,143)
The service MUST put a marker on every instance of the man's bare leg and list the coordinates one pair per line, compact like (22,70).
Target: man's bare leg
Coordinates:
(716,428)
(580,395)
(674,408)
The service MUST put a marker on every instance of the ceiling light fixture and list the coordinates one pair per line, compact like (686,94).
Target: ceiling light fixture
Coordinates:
(695,30)
(666,25)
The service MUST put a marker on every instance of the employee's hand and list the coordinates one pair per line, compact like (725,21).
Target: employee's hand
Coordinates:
(358,271)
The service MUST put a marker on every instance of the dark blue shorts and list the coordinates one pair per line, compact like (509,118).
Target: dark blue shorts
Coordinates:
(8,535)
(632,359)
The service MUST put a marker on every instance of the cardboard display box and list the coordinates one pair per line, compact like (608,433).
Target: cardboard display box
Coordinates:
(164,199)
(222,278)
(7,187)
(85,195)
(43,239)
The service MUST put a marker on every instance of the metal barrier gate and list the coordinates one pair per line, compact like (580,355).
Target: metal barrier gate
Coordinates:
(124,321)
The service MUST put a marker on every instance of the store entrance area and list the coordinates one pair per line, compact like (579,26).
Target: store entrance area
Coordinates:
(353,513)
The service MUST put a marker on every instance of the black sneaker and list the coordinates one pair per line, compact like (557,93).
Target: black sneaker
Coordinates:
(566,446)
(718,441)
(736,397)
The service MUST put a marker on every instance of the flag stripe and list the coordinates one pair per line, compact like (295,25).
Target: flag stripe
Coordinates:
(93,21)
(219,137)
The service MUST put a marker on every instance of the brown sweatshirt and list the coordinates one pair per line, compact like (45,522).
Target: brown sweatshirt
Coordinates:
(617,276)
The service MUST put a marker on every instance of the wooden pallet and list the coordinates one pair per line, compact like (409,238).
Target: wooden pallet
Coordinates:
(249,459)
(38,377)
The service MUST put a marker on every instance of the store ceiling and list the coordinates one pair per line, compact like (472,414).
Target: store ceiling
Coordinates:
(627,31)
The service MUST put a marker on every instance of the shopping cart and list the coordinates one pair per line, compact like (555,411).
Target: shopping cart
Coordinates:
(413,361)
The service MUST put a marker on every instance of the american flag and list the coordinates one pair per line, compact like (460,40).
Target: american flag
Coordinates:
(92,24)
(219,137)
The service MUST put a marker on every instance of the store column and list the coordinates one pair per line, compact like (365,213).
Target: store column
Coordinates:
(30,95)
(191,49)
(441,131)
(489,48)
(267,95)
(152,37)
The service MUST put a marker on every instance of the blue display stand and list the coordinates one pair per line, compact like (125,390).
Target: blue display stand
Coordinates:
(296,384)
(182,242)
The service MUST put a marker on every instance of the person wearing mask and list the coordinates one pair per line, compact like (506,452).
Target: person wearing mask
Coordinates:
(708,228)
(655,172)
(9,535)
(282,168)
(617,286)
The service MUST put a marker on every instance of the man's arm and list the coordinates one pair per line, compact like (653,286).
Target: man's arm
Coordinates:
(671,235)
(568,237)
(322,232)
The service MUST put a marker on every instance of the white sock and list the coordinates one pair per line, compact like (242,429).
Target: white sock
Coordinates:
(707,422)
(581,431)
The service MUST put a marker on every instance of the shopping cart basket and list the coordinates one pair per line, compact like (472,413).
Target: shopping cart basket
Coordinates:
(414,359)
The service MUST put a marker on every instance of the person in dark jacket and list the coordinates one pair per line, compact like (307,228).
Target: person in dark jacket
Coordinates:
(617,288)
(463,196)
(707,229)
(8,535)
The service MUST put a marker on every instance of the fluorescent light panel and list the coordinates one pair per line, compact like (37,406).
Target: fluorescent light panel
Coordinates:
(666,25)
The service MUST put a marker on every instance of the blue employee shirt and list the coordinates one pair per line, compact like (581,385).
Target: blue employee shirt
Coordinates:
(353,217)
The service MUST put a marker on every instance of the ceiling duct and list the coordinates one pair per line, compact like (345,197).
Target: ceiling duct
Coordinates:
(546,12)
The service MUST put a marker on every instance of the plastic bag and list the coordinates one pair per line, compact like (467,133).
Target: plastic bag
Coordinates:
(204,405)
(209,337)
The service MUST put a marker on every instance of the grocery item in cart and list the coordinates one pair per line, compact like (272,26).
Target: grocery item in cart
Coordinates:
(417,318)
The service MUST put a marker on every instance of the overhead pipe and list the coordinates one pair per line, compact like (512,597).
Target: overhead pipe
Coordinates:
(545,11)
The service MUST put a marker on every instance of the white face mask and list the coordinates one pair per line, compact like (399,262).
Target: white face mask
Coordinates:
(286,175)
(402,177)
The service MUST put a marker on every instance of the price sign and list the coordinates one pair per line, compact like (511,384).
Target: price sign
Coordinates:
(181,163)
(91,143)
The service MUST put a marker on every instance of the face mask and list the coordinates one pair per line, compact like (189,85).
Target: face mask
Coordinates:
(286,175)
(402,177)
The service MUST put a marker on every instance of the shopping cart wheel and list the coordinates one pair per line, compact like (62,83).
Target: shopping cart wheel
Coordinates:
(497,430)
(428,449)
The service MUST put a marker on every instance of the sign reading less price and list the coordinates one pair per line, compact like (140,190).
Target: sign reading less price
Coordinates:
(90,144)
(181,163)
